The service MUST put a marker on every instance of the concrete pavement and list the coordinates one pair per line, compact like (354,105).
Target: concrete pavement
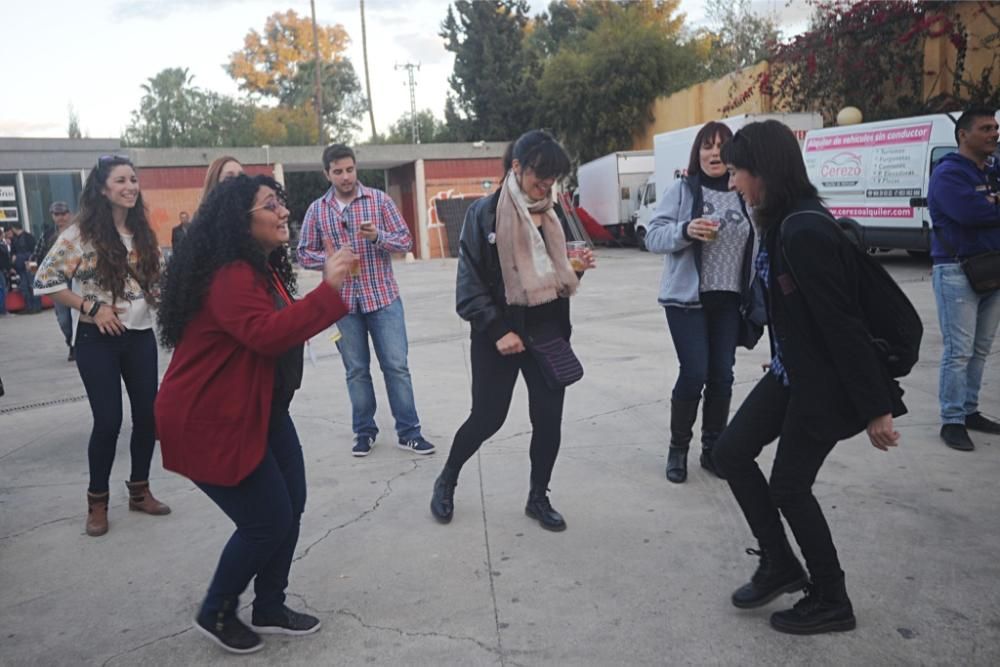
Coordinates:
(642,576)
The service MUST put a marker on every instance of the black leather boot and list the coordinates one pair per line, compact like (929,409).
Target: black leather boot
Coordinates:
(682,416)
(714,417)
(825,608)
(443,499)
(778,572)
(540,508)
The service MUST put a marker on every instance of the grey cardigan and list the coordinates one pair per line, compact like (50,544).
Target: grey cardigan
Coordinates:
(680,282)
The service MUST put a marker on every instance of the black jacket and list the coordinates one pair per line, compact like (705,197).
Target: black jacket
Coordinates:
(21,247)
(837,382)
(479,292)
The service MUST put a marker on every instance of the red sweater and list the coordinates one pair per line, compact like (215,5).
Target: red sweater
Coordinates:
(214,403)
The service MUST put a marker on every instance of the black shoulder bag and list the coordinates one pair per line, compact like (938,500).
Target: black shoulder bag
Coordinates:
(982,271)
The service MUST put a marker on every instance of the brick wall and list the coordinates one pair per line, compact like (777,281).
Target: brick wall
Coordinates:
(451,187)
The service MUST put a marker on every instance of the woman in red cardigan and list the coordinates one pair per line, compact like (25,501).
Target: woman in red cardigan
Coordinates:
(222,409)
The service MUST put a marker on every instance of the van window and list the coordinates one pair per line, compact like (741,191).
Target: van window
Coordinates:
(939,152)
(650,193)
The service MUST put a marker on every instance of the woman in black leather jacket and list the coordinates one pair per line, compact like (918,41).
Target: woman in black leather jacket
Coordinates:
(514,281)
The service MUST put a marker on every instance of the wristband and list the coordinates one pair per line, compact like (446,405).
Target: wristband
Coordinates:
(93,309)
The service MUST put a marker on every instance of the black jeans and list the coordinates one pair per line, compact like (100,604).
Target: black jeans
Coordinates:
(762,418)
(493,378)
(705,340)
(104,361)
(266,508)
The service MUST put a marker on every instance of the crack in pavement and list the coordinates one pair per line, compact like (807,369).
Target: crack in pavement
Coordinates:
(489,561)
(41,525)
(411,633)
(378,501)
(142,646)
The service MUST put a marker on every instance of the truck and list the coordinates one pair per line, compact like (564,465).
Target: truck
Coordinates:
(672,152)
(609,187)
(876,174)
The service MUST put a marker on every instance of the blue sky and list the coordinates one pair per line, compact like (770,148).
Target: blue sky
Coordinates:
(96,54)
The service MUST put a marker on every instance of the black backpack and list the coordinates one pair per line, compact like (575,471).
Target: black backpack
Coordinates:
(892,322)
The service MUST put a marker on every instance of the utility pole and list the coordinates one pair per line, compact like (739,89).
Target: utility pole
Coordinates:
(368,83)
(414,125)
(319,77)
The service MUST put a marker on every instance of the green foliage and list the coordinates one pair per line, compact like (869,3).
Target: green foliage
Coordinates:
(343,102)
(739,38)
(494,74)
(596,92)
(73,132)
(429,129)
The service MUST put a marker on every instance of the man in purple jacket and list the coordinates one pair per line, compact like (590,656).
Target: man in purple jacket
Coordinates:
(965,209)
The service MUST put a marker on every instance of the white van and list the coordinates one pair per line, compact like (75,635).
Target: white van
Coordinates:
(672,152)
(609,186)
(877,173)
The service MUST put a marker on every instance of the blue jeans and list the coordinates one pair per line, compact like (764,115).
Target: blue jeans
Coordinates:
(387,329)
(32,303)
(65,319)
(266,508)
(705,340)
(104,361)
(968,324)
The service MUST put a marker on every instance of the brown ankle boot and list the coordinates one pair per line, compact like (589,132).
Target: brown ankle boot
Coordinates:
(140,499)
(97,513)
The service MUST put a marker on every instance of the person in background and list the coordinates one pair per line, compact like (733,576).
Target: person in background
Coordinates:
(22,247)
(237,334)
(112,261)
(514,282)
(6,265)
(965,210)
(708,243)
(180,231)
(221,169)
(351,215)
(825,382)
(61,219)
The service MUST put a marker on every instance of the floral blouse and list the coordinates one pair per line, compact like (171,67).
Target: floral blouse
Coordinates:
(72,262)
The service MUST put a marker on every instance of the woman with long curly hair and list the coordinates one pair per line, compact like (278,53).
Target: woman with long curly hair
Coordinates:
(222,169)
(112,258)
(222,410)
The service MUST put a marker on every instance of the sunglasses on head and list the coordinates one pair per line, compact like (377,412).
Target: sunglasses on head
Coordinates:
(121,159)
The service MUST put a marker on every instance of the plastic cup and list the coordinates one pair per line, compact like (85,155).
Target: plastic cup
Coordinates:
(575,250)
(713,234)
(356,267)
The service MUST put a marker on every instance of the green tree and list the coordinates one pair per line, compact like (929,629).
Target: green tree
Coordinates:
(495,74)
(429,129)
(74,124)
(738,38)
(279,63)
(597,91)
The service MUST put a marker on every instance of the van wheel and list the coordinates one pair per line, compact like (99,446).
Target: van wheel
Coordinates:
(640,238)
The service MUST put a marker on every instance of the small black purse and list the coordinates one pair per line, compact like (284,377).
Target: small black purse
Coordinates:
(559,364)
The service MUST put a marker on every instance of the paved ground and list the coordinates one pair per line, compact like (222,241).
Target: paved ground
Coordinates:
(642,575)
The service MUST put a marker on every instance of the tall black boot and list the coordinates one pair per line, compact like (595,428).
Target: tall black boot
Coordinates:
(443,499)
(779,571)
(540,508)
(714,417)
(682,416)
(825,608)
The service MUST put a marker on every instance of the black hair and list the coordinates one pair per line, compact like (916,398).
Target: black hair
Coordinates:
(335,152)
(539,151)
(969,116)
(219,235)
(16,224)
(707,134)
(769,151)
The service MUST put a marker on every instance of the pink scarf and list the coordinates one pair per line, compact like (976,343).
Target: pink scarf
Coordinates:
(535,269)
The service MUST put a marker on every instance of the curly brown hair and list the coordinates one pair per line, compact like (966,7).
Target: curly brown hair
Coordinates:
(97,227)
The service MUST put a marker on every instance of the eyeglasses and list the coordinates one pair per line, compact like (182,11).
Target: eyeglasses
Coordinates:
(60,212)
(271,205)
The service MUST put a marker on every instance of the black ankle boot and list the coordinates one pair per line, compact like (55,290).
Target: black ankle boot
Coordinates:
(714,417)
(825,608)
(540,508)
(682,416)
(778,572)
(677,464)
(443,500)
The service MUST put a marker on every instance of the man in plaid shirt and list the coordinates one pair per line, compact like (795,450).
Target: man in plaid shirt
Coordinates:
(368,221)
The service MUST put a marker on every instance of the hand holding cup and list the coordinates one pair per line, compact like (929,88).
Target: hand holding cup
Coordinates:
(704,229)
(338,264)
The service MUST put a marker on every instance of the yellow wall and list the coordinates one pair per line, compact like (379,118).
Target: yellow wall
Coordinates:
(939,53)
